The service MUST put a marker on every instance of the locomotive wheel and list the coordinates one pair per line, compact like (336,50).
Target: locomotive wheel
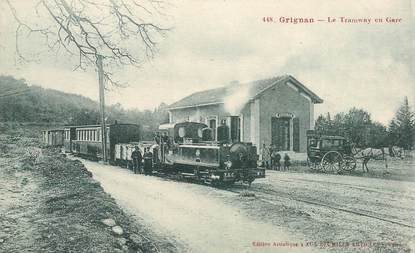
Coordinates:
(349,163)
(332,162)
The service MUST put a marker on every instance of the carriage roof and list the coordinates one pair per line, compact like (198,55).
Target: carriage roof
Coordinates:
(312,134)
(332,137)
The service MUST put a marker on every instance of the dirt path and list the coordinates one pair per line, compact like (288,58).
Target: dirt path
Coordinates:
(201,218)
(334,213)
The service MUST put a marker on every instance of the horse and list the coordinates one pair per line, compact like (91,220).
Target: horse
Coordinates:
(396,151)
(368,154)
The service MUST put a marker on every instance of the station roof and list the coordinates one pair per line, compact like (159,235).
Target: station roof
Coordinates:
(255,88)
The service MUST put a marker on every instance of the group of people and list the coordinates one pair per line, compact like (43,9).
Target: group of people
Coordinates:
(271,158)
(162,138)
(138,158)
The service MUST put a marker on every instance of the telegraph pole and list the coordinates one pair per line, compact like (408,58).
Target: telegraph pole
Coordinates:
(102,108)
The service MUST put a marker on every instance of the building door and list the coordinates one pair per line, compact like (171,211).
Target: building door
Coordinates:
(280,132)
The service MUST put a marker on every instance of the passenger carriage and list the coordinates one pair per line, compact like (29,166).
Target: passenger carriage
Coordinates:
(329,153)
(53,137)
(87,142)
(123,152)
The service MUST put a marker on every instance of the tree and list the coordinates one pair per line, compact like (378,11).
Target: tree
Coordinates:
(324,124)
(401,128)
(121,31)
(356,125)
(377,136)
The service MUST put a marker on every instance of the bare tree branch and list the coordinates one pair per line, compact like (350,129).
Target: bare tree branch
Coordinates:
(121,31)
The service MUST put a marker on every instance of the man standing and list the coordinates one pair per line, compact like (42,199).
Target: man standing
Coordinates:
(276,159)
(265,156)
(148,162)
(137,157)
(287,162)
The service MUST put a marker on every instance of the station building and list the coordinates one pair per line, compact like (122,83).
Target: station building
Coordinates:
(275,111)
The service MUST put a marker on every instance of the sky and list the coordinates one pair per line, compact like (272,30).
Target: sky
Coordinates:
(212,43)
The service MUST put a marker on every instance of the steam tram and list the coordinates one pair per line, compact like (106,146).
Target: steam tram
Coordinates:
(188,149)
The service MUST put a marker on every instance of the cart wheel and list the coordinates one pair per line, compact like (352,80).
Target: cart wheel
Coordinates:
(319,166)
(332,161)
(349,163)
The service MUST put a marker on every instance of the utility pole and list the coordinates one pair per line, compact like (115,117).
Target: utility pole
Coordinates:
(102,108)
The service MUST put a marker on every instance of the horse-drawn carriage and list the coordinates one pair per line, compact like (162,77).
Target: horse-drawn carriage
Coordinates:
(329,153)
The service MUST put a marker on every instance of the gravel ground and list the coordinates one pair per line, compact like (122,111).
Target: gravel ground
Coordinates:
(49,203)
(374,214)
(286,212)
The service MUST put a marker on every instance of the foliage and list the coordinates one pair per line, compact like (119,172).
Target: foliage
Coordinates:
(22,103)
(402,126)
(356,125)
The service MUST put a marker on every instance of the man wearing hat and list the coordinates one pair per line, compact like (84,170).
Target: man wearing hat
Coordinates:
(137,157)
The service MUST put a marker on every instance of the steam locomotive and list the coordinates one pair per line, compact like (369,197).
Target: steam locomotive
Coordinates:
(185,149)
(188,149)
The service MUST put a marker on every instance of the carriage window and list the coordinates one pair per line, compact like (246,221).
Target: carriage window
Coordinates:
(332,143)
(327,143)
(313,143)
(182,132)
(200,132)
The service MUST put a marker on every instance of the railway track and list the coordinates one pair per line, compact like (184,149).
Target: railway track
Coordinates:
(366,189)
(270,196)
